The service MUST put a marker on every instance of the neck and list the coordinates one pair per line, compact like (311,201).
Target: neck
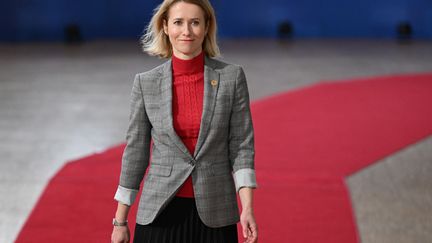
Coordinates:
(186,56)
(194,65)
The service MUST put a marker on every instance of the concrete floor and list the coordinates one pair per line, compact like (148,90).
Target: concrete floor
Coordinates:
(59,103)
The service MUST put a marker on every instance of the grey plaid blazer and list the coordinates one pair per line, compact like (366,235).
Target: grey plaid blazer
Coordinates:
(223,160)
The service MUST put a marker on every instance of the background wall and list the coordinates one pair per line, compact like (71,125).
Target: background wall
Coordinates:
(41,20)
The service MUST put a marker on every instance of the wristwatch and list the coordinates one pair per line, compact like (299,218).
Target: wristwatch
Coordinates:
(116,223)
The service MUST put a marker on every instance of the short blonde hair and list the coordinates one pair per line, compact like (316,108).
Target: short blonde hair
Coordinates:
(156,43)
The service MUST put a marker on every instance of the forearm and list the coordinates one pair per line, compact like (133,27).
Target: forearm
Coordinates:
(246,198)
(122,212)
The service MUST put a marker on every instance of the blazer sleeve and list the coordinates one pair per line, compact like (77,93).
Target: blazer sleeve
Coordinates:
(241,136)
(135,157)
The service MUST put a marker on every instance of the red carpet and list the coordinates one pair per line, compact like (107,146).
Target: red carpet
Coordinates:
(307,142)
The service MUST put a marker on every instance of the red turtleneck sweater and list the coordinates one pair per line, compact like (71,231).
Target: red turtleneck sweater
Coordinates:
(188,90)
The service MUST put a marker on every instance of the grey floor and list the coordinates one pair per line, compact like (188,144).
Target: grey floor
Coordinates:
(59,103)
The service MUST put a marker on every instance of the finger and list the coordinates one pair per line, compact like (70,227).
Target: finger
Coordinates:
(249,233)
(252,234)
(248,236)
(255,231)
(254,239)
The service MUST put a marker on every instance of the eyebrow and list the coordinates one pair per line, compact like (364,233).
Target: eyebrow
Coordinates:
(182,19)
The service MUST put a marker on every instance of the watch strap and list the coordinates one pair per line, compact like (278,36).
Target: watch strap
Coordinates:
(116,223)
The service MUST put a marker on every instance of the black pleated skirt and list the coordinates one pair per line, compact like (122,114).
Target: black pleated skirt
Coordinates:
(179,223)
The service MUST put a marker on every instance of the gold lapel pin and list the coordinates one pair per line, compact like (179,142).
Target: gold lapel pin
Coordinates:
(213,82)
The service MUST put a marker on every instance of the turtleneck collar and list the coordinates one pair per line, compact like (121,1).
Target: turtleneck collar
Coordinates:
(194,65)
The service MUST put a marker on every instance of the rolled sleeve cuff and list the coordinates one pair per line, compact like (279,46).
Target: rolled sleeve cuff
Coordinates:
(125,195)
(245,178)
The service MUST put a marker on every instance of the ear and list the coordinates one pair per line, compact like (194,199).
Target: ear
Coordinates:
(207,28)
(165,27)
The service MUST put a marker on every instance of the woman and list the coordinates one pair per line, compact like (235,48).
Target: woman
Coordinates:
(195,110)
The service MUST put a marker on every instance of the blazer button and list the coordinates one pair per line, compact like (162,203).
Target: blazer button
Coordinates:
(214,82)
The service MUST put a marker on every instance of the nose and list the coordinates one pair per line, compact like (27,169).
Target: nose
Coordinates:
(186,30)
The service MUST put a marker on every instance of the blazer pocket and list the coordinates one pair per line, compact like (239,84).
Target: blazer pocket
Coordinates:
(160,170)
(220,169)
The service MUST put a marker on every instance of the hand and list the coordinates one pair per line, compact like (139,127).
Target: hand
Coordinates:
(120,234)
(250,229)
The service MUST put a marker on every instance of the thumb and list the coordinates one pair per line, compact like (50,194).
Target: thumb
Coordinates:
(245,229)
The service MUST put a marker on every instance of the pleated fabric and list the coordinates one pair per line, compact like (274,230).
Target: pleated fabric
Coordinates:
(179,222)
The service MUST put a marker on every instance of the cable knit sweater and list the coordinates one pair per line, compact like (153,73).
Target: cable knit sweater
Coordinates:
(188,90)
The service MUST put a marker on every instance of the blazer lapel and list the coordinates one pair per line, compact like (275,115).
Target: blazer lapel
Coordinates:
(166,107)
(211,85)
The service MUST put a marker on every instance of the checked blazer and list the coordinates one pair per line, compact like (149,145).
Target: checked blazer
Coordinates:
(223,160)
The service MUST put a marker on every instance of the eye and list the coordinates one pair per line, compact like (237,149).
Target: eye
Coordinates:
(195,22)
(177,22)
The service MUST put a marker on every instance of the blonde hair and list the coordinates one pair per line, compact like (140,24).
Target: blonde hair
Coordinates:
(156,43)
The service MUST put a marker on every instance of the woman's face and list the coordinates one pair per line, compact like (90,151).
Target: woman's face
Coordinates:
(186,29)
